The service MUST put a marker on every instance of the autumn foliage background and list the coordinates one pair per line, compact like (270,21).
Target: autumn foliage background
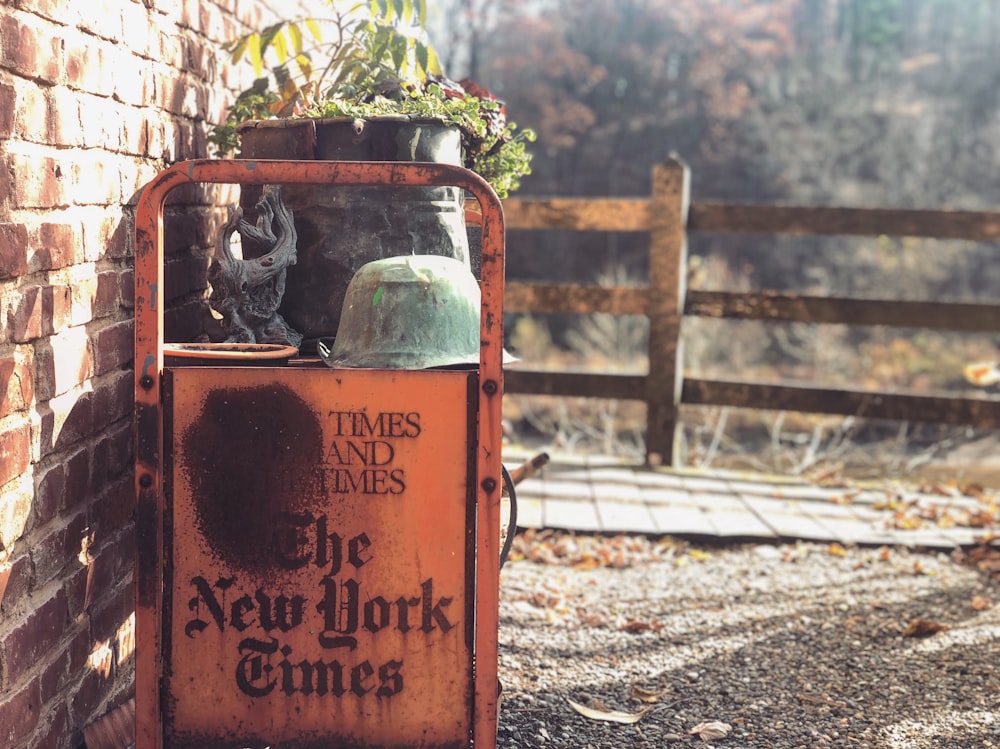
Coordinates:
(869,103)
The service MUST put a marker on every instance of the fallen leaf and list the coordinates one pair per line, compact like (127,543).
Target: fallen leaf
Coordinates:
(713,729)
(637,626)
(836,550)
(645,695)
(980,603)
(611,716)
(924,628)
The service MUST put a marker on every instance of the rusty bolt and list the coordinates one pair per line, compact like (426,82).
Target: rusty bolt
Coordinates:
(146,382)
(145,481)
(490,387)
(489,484)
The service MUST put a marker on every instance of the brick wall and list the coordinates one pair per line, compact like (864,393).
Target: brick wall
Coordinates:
(95,98)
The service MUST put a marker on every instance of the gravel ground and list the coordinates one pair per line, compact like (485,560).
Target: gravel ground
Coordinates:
(803,645)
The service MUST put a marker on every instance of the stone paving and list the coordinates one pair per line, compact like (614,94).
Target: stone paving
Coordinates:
(602,495)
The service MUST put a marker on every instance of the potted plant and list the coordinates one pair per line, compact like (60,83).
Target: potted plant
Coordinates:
(366,86)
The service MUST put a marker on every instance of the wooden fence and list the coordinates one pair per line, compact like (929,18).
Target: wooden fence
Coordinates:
(667,215)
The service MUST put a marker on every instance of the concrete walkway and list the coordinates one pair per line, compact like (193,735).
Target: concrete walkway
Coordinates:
(603,495)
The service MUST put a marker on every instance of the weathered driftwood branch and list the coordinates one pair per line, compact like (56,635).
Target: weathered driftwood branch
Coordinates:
(247,291)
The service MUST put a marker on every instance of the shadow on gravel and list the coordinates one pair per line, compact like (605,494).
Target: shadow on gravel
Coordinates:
(788,653)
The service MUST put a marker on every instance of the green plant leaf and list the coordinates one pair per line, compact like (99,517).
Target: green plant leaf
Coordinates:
(239,49)
(253,49)
(313,25)
(305,66)
(268,35)
(295,36)
(280,47)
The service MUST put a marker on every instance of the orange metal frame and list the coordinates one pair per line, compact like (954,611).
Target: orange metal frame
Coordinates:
(149,416)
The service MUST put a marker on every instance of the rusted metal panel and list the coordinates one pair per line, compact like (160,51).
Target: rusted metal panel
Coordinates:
(318,585)
(872,405)
(481,395)
(795,308)
(800,219)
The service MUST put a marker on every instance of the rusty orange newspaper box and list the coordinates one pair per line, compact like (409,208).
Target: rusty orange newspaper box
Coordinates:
(318,548)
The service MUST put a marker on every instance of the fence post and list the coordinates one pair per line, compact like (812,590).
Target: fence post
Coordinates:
(667,286)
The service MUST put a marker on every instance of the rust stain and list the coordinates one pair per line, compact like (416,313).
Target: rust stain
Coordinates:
(243,452)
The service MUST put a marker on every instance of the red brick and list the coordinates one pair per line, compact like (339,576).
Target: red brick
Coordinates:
(15,512)
(59,549)
(114,506)
(100,18)
(17,386)
(4,183)
(100,581)
(91,68)
(75,585)
(93,181)
(32,52)
(77,489)
(65,119)
(184,275)
(15,447)
(59,245)
(89,695)
(126,552)
(128,290)
(27,314)
(112,457)
(54,675)
(79,645)
(68,419)
(19,714)
(7,98)
(15,582)
(13,249)
(114,397)
(113,346)
(110,611)
(36,635)
(58,308)
(39,181)
(33,116)
(55,731)
(186,322)
(108,294)
(50,492)
(66,363)
(84,291)
(115,237)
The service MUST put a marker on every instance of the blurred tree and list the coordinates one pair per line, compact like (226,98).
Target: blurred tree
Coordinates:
(891,103)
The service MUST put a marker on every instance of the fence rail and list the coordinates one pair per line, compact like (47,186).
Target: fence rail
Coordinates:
(667,216)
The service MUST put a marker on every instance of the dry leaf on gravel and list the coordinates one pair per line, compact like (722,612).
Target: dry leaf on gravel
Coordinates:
(712,729)
(639,626)
(645,695)
(980,603)
(924,628)
(610,716)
